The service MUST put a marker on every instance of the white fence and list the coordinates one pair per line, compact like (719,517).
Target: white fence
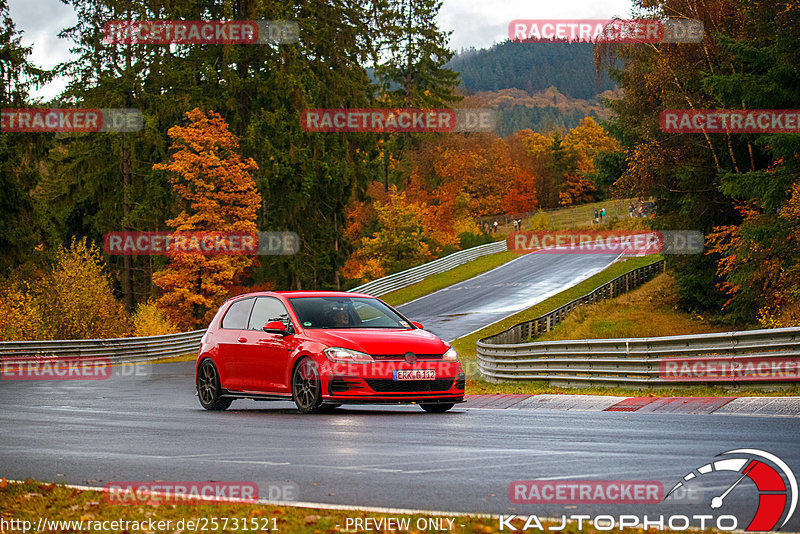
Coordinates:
(411,276)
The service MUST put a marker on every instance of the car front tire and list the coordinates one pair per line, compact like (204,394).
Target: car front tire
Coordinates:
(307,387)
(209,389)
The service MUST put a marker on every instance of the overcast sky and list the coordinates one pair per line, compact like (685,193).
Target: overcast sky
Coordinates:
(475,23)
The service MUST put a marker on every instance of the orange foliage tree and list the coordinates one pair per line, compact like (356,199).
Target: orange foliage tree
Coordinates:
(576,190)
(564,170)
(219,195)
(588,140)
(760,261)
(400,242)
(467,176)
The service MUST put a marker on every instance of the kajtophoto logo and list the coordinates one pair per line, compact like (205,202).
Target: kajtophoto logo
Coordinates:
(775,489)
(774,480)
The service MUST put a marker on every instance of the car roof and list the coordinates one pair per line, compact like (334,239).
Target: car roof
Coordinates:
(302,293)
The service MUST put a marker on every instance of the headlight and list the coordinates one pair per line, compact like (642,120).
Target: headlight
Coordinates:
(451,355)
(339,355)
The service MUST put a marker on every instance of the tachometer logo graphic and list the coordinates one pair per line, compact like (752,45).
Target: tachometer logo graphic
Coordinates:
(770,475)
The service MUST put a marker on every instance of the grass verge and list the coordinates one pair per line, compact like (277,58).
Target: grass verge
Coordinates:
(453,276)
(650,310)
(31,500)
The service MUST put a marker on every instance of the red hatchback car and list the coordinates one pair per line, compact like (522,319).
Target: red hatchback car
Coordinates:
(323,349)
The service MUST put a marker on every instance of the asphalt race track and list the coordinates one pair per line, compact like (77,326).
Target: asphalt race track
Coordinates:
(152,427)
(462,308)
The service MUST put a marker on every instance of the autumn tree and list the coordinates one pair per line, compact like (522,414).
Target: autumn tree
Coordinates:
(588,140)
(735,187)
(218,194)
(576,190)
(566,169)
(73,299)
(398,244)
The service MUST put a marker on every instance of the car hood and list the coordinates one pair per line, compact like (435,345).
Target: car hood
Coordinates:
(380,341)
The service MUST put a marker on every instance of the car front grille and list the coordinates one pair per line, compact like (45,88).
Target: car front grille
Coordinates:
(409,386)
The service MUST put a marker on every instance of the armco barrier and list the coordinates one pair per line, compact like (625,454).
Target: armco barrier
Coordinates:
(119,350)
(530,329)
(411,276)
(633,362)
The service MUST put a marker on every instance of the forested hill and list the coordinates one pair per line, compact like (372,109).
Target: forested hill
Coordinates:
(532,67)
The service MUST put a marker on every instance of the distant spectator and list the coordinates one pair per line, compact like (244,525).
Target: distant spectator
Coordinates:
(596,217)
(494,226)
(603,215)
(631,209)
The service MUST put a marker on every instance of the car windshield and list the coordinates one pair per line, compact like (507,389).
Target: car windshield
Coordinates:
(346,312)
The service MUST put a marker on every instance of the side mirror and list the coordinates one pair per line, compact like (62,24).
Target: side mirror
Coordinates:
(418,325)
(275,327)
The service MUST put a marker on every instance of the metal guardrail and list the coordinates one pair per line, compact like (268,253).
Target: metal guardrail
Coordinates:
(411,276)
(118,350)
(529,329)
(633,362)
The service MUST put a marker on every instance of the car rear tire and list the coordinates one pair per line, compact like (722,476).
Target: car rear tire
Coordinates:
(208,388)
(307,386)
(437,408)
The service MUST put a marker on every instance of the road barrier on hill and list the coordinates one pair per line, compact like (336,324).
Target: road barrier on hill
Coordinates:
(390,283)
(641,362)
(757,357)
(529,329)
(119,350)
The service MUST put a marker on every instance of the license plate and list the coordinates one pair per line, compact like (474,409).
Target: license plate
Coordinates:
(415,374)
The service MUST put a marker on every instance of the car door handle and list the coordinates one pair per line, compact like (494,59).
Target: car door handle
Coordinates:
(242,340)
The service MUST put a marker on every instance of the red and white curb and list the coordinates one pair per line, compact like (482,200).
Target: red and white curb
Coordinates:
(767,406)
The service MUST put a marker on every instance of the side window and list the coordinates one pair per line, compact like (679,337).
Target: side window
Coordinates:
(267,309)
(237,315)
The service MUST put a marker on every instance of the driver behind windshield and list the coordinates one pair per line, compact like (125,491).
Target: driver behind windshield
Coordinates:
(338,317)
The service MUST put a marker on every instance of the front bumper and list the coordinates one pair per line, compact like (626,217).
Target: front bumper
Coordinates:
(376,383)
